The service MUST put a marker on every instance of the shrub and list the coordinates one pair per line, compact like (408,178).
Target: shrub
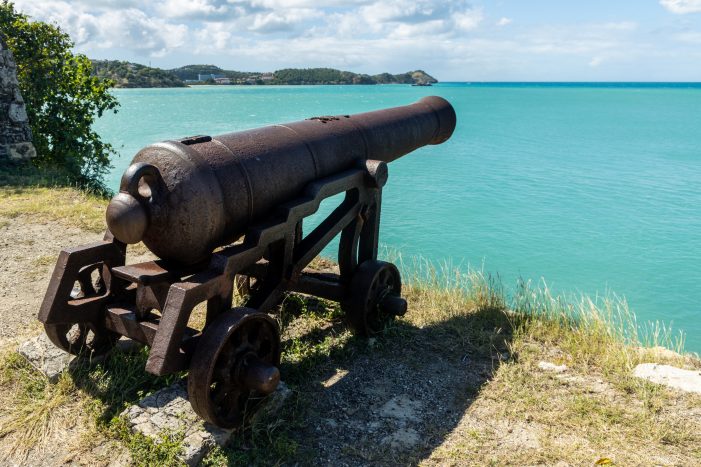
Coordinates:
(62,98)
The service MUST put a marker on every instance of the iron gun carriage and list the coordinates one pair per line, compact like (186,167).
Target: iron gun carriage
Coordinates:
(227,210)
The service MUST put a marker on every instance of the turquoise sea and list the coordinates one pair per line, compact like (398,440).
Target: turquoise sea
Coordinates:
(595,188)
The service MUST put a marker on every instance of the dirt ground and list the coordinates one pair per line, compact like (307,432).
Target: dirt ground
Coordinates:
(422,394)
(28,251)
(378,403)
(388,403)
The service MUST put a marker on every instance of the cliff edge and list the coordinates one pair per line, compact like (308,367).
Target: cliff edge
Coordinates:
(461,379)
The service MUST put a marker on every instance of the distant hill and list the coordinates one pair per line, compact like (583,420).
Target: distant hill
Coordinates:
(193,72)
(133,75)
(332,76)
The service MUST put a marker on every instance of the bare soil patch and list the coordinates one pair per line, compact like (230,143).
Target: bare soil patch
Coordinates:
(28,252)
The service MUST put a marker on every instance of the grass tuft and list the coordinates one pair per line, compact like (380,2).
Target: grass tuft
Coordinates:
(32,411)
(45,195)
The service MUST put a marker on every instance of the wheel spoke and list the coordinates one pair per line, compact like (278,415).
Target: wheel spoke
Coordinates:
(227,356)
(216,392)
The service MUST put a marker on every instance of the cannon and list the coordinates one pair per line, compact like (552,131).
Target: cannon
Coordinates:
(227,213)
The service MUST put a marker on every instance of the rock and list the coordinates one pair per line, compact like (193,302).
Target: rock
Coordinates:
(169,411)
(660,351)
(17,112)
(678,378)
(22,151)
(274,403)
(15,133)
(43,355)
(547,366)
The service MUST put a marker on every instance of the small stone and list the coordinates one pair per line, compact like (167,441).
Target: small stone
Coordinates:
(547,366)
(43,355)
(273,403)
(169,411)
(17,113)
(22,151)
(401,408)
(678,378)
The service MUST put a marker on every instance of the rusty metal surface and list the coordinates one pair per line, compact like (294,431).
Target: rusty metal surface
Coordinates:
(374,297)
(235,364)
(184,198)
(187,198)
(217,280)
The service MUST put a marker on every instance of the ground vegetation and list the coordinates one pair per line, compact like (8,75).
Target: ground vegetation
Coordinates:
(471,375)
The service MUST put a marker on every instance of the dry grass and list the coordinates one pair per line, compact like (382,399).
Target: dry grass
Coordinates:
(34,413)
(76,418)
(595,409)
(67,206)
(520,415)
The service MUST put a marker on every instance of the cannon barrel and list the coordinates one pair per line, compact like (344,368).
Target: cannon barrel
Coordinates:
(185,198)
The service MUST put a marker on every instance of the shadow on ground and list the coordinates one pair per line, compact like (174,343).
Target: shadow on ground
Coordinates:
(118,381)
(390,400)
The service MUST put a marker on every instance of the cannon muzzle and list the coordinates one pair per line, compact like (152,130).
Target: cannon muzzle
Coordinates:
(185,198)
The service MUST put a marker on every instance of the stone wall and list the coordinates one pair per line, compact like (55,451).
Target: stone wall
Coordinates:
(15,135)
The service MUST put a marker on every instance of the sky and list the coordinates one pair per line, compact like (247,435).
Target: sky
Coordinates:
(453,40)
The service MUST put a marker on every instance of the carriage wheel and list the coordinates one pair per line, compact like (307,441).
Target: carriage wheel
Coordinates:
(374,297)
(81,338)
(234,366)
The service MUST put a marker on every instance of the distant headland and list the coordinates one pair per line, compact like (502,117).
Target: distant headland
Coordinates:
(134,75)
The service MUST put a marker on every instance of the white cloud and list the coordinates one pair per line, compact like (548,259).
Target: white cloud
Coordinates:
(128,27)
(138,31)
(469,19)
(282,20)
(201,9)
(595,62)
(447,36)
(168,27)
(408,18)
(504,21)
(682,7)
(217,36)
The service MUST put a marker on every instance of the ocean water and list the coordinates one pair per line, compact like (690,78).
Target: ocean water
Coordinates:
(594,189)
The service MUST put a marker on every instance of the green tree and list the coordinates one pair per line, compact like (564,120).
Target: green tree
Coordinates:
(62,98)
